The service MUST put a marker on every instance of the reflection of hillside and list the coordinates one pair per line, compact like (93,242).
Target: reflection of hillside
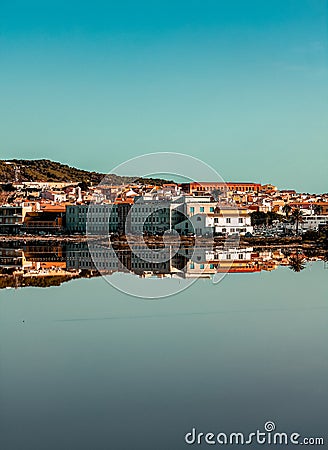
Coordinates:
(38,265)
(19,280)
(50,265)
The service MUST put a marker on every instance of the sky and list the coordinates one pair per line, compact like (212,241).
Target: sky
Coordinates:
(240,84)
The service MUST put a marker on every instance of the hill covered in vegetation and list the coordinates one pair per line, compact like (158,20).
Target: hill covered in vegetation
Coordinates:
(46,170)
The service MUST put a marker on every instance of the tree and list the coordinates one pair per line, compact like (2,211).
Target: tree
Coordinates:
(297,262)
(286,209)
(8,187)
(311,235)
(317,209)
(216,193)
(297,217)
(271,216)
(311,252)
(83,185)
(262,218)
(258,218)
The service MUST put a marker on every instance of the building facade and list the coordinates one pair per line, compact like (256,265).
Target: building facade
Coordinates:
(98,218)
(310,222)
(12,218)
(222,188)
(227,221)
(185,214)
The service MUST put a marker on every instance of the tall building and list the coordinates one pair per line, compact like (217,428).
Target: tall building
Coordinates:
(12,217)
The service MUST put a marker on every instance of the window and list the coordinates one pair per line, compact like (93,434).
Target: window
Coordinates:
(216,220)
(201,209)
(192,265)
(241,256)
(192,209)
(202,266)
(228,220)
(211,266)
(211,208)
(199,219)
(240,220)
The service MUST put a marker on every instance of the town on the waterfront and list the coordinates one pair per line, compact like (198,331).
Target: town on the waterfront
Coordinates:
(56,231)
(207,209)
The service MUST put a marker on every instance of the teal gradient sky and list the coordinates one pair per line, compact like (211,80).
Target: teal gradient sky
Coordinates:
(239,84)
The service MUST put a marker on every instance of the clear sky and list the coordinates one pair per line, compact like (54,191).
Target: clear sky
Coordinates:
(240,84)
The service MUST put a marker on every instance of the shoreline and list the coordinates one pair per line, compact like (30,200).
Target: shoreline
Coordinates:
(121,241)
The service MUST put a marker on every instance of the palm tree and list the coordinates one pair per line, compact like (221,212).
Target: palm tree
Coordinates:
(286,209)
(317,209)
(297,216)
(297,262)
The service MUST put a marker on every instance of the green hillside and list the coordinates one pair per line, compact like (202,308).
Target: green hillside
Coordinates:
(46,170)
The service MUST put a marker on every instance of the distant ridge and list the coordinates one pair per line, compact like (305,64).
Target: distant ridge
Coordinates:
(46,170)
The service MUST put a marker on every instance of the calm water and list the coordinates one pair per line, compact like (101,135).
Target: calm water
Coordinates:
(83,366)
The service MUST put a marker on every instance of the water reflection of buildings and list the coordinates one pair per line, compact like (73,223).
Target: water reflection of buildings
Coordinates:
(11,258)
(185,263)
(141,260)
(206,263)
(45,260)
(70,260)
(34,260)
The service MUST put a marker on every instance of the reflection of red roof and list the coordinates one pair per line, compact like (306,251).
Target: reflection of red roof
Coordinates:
(49,264)
(239,270)
(303,204)
(128,201)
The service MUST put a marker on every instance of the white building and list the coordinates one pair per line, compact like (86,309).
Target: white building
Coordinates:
(225,221)
(151,214)
(233,221)
(311,222)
